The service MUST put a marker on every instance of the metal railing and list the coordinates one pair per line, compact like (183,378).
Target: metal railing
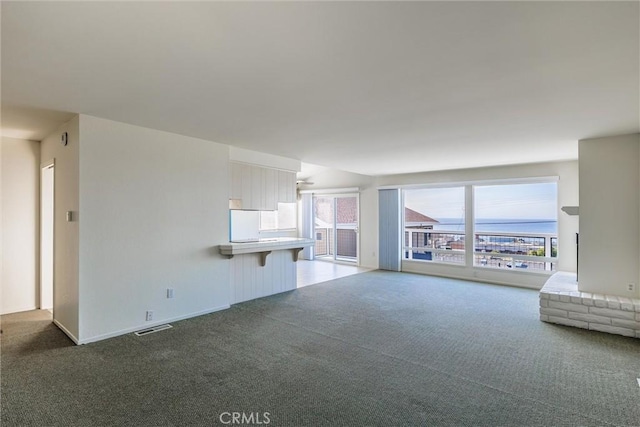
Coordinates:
(434,245)
(346,244)
(502,250)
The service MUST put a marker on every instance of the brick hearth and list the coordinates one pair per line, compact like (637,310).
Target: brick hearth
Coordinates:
(561,302)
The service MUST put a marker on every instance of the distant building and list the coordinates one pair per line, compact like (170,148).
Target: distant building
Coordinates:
(417,221)
(413,219)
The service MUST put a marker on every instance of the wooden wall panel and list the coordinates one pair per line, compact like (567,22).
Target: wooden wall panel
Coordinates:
(250,280)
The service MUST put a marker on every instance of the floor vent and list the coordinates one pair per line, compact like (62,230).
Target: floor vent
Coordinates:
(152,330)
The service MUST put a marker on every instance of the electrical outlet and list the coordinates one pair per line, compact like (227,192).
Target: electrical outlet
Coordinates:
(632,287)
(169,292)
(149,315)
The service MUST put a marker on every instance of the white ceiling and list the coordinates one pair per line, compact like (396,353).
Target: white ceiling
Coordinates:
(369,87)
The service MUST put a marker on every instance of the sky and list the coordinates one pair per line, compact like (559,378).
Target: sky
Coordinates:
(513,201)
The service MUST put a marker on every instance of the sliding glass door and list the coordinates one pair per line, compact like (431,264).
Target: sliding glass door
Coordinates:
(336,227)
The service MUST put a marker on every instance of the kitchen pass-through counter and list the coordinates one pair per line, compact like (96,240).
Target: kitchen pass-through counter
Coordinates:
(264,267)
(266,246)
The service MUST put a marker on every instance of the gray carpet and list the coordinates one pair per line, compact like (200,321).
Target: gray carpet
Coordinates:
(377,349)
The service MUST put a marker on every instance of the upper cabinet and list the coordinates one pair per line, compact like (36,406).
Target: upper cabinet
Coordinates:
(261,188)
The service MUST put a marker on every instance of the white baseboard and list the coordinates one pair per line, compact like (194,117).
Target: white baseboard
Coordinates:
(149,325)
(18,310)
(527,280)
(66,331)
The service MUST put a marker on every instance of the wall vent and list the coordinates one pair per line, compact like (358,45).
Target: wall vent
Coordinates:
(152,330)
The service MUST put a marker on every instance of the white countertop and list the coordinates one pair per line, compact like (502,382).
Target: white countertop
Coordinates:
(265,245)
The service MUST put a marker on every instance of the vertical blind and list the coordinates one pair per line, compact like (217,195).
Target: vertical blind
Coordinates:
(389,234)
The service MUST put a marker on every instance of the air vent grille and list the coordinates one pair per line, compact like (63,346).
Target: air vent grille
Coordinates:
(153,329)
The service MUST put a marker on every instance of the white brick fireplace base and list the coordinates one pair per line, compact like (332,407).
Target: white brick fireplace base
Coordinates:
(562,303)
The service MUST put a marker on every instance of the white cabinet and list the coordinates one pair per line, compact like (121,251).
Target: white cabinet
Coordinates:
(261,188)
(286,187)
(269,189)
(235,190)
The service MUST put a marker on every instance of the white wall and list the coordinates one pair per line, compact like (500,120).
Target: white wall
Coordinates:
(20,224)
(153,208)
(567,226)
(66,234)
(609,215)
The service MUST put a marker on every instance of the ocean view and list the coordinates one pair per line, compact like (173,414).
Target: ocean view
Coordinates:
(505,225)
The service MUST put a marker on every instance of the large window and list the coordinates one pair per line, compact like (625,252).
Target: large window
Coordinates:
(434,222)
(282,219)
(514,225)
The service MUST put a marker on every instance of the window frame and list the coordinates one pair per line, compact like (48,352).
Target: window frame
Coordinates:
(407,249)
(469,235)
(276,218)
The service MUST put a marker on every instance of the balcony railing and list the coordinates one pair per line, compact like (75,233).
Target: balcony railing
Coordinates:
(346,245)
(434,245)
(521,251)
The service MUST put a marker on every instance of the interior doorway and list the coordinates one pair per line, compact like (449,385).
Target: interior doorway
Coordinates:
(336,227)
(47,177)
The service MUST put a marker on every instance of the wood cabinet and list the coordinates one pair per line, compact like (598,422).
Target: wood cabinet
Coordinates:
(261,188)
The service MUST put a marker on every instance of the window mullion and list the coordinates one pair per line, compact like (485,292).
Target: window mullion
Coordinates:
(469,225)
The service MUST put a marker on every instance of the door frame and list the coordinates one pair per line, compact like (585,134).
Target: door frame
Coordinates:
(46,289)
(334,256)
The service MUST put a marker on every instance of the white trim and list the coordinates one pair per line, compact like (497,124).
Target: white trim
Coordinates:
(328,191)
(502,181)
(146,326)
(12,310)
(48,163)
(66,331)
(46,166)
(259,165)
(469,223)
(271,161)
(490,276)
